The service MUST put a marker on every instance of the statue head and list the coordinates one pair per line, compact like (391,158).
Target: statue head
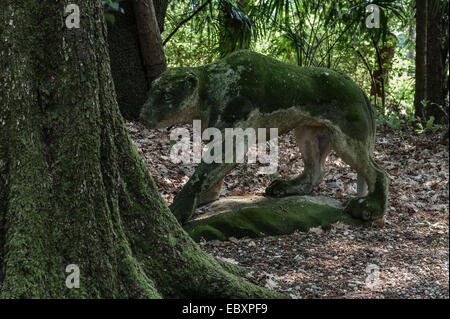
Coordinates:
(172,99)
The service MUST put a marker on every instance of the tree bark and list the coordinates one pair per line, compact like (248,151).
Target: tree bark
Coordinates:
(430,60)
(73,189)
(129,74)
(137,55)
(152,51)
(384,57)
(434,63)
(160,12)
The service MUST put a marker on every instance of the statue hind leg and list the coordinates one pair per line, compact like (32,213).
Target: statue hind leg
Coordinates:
(314,144)
(358,155)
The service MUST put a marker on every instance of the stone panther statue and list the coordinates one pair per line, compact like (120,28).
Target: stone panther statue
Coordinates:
(249,90)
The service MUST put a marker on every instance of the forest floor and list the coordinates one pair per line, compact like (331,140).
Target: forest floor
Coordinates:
(407,257)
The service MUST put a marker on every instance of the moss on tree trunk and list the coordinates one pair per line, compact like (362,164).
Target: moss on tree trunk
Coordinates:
(73,189)
(257,216)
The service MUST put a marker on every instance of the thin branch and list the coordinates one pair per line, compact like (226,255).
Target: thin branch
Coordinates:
(367,66)
(334,43)
(186,20)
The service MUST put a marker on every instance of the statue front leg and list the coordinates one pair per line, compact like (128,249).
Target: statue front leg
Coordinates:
(201,188)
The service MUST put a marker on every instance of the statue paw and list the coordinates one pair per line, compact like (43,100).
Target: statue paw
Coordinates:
(183,208)
(364,208)
(282,188)
(276,188)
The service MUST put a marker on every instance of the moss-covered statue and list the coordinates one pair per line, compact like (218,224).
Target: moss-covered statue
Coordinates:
(326,109)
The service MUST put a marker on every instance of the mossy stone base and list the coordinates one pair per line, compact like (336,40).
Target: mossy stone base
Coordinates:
(258,216)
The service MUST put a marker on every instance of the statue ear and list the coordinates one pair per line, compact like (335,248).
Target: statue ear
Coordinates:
(191,80)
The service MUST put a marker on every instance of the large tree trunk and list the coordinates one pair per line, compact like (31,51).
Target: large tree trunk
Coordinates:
(73,189)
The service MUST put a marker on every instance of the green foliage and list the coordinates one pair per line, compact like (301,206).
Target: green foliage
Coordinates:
(398,121)
(429,126)
(234,25)
(392,121)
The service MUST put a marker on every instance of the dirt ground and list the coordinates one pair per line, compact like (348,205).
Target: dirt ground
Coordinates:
(407,257)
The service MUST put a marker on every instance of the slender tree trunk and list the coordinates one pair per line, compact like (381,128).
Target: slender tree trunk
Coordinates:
(152,50)
(430,61)
(130,79)
(160,12)
(445,54)
(137,55)
(381,74)
(73,189)
(421,56)
(434,63)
